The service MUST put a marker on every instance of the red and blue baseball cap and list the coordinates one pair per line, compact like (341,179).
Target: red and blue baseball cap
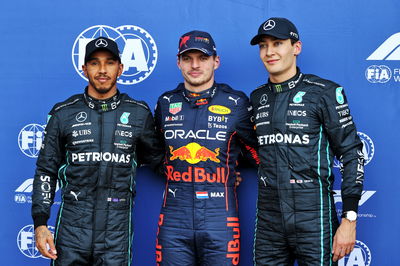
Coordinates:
(197,40)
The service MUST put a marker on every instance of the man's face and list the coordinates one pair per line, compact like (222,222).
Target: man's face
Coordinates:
(279,56)
(102,70)
(198,68)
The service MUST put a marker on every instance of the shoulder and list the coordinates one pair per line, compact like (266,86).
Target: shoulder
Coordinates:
(225,88)
(71,101)
(317,81)
(170,94)
(257,92)
(126,99)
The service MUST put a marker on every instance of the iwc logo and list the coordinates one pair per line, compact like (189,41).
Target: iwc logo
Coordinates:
(368,149)
(138,50)
(360,256)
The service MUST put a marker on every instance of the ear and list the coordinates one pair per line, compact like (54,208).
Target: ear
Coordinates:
(178,62)
(120,69)
(217,62)
(84,68)
(297,48)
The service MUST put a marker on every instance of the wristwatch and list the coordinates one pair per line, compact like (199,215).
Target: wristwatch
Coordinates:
(350,215)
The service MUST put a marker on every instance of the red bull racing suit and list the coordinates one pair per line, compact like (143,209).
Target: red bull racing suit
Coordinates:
(203,134)
(301,124)
(93,148)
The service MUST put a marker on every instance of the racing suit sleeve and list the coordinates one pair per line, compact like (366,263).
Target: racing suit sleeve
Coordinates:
(50,158)
(149,149)
(158,125)
(346,145)
(247,136)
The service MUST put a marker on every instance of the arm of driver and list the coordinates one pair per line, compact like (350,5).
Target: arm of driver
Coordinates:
(344,239)
(43,237)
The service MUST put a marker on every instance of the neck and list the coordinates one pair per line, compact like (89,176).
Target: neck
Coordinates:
(92,92)
(282,77)
(199,88)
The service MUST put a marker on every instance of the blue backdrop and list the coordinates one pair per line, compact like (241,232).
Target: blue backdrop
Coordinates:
(355,43)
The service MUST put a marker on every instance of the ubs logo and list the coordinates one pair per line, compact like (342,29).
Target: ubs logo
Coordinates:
(139,50)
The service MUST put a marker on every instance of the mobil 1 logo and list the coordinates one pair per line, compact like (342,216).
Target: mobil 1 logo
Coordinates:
(138,50)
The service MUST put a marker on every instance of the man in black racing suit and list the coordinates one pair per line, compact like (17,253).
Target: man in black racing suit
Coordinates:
(204,124)
(94,141)
(302,121)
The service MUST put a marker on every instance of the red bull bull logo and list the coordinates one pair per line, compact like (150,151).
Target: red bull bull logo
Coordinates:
(196,174)
(194,153)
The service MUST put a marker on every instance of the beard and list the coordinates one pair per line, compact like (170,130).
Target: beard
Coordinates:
(198,82)
(103,89)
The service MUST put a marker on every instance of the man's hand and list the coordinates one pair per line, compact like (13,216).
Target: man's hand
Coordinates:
(43,238)
(344,240)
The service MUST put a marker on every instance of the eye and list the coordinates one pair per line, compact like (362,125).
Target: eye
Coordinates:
(262,45)
(278,43)
(204,58)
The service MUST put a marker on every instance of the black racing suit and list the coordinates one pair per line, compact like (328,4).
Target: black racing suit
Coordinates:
(93,148)
(301,124)
(203,134)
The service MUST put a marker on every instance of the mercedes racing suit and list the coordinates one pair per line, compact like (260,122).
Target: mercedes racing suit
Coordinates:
(301,124)
(203,134)
(93,148)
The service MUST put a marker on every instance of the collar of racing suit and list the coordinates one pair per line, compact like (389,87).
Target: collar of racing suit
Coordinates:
(102,105)
(288,84)
(199,98)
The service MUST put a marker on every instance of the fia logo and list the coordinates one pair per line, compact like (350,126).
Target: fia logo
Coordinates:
(378,74)
(26,241)
(139,50)
(368,150)
(30,139)
(360,256)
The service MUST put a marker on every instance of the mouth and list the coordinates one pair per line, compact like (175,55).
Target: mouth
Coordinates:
(102,79)
(272,61)
(195,74)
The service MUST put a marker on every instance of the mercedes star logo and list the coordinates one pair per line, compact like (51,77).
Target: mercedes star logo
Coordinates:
(101,43)
(264,99)
(81,117)
(269,25)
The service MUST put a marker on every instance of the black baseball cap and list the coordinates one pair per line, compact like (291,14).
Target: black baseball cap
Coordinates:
(197,40)
(102,43)
(280,28)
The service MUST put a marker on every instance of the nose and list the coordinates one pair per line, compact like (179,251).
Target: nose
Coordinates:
(195,63)
(103,68)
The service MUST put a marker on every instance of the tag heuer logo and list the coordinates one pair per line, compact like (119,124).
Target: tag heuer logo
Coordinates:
(175,108)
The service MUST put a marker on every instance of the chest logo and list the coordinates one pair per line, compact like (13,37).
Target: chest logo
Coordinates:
(175,108)
(264,99)
(219,109)
(194,153)
(298,98)
(339,95)
(124,118)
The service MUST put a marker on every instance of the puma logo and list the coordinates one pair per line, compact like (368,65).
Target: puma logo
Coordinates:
(74,194)
(172,191)
(168,98)
(233,99)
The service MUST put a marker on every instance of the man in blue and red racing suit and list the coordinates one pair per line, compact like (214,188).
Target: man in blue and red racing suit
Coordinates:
(302,121)
(204,125)
(94,141)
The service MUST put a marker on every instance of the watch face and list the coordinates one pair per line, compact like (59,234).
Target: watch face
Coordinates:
(351,215)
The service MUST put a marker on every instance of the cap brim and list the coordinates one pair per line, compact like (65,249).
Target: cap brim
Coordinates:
(257,39)
(198,49)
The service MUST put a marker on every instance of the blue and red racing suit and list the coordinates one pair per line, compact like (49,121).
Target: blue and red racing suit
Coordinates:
(203,134)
